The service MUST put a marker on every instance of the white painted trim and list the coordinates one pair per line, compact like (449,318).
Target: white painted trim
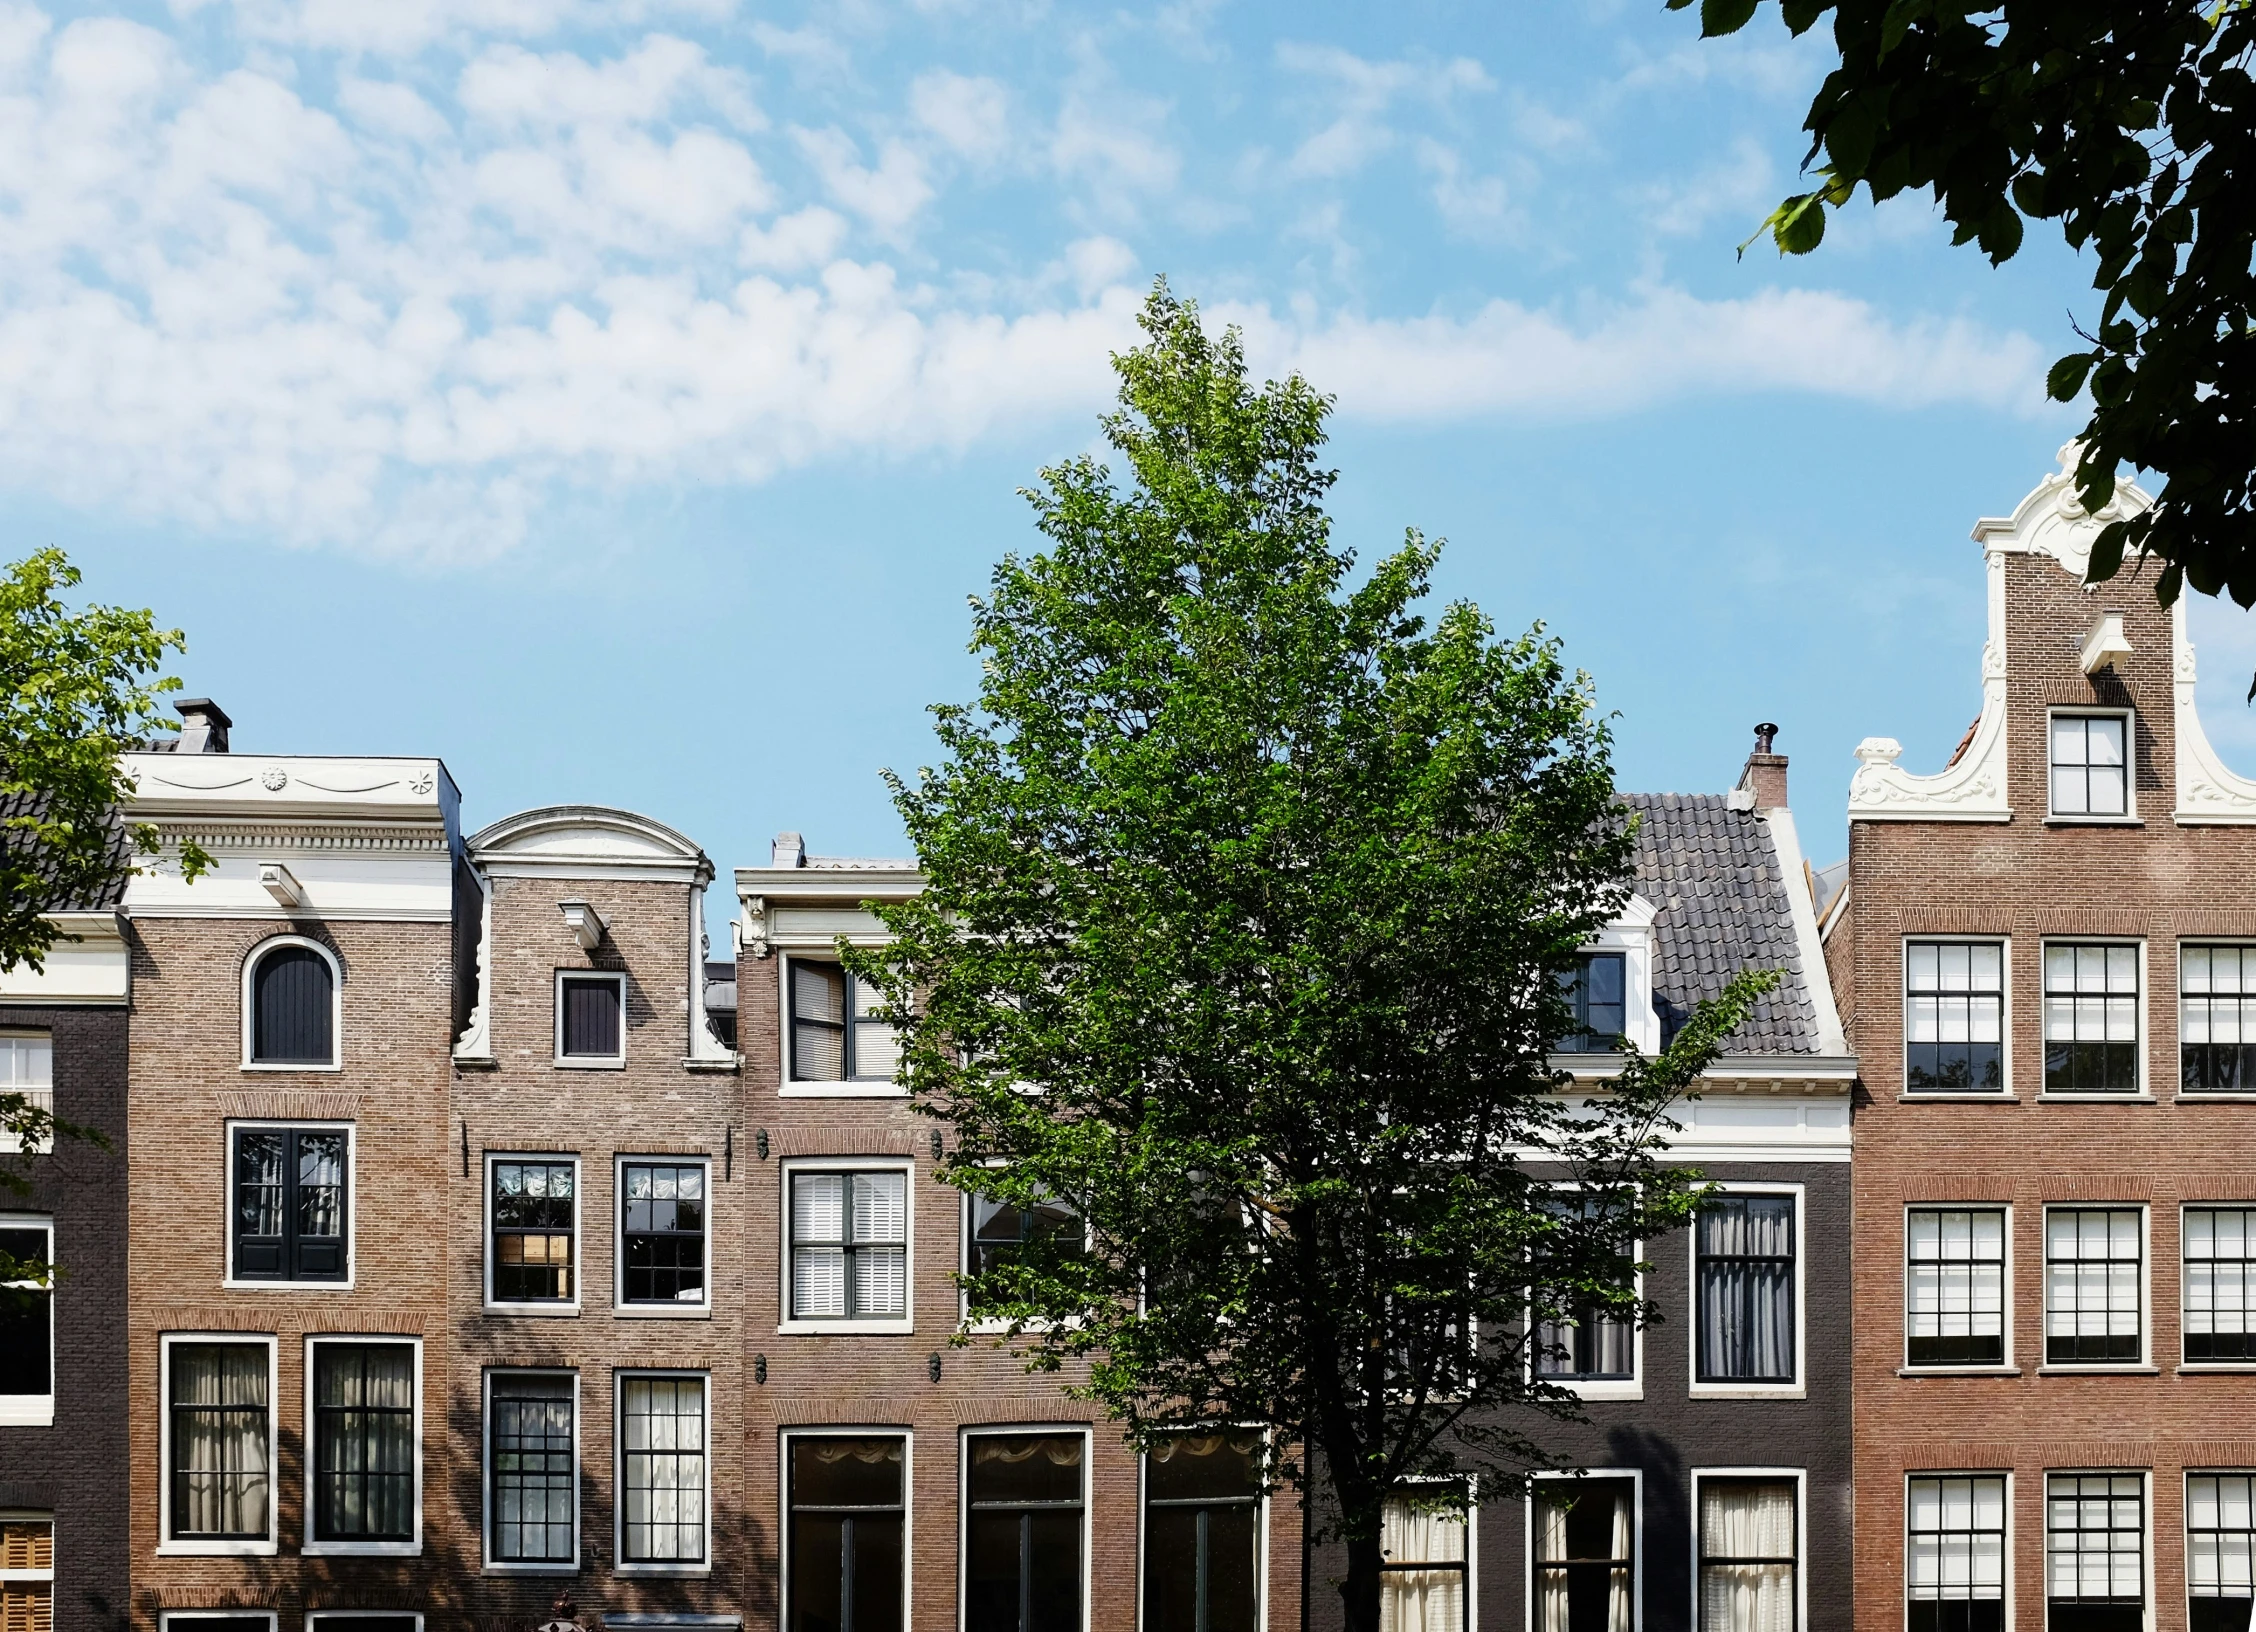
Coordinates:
(1261,1558)
(791,1324)
(620,1377)
(590,1062)
(792,1087)
(2145,1211)
(251,960)
(1570,1476)
(229,1128)
(1799,1387)
(1800,1478)
(1974,789)
(487,1562)
(907,1437)
(475,1045)
(562,1306)
(1610,1388)
(2009,1570)
(1816,977)
(704,1047)
(35,1410)
(702,1309)
(2185,1528)
(310,1548)
(167,1547)
(169,1618)
(2210,794)
(2007,1338)
(965,1434)
(89,964)
(588,841)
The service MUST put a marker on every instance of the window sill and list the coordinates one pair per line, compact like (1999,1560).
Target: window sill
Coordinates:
(217,1549)
(265,1066)
(1749,1391)
(1958,1371)
(559,1567)
(286,1286)
(534,1311)
(2220,1368)
(676,1570)
(2226,1096)
(2071,1097)
(581,1064)
(843,1090)
(1613,1390)
(1958,1096)
(2098,1369)
(2094,821)
(361,1549)
(663,1311)
(844,1328)
(28,1411)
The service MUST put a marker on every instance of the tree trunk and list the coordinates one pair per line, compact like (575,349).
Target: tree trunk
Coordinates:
(1360,1591)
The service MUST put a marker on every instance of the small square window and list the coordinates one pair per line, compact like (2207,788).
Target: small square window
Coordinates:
(590,1018)
(2091,1018)
(2090,770)
(838,1033)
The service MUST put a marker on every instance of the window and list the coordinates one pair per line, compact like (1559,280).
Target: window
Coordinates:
(1000,1231)
(2088,765)
(362,1620)
(589,1019)
(1744,1246)
(290,991)
(1954,1017)
(27,1574)
(1954,1286)
(2095,1552)
(535,1223)
(846,1544)
(532,1468)
(849,1245)
(290,1200)
(2219,1253)
(1594,989)
(1422,1579)
(1748,1530)
(2217,1019)
(1954,1553)
(1022,1532)
(662,1233)
(220,1441)
(27,1067)
(27,1326)
(1584,1564)
(2091,1029)
(662,1484)
(836,1034)
(2220,1538)
(1202,1533)
(1593,1342)
(364,1443)
(173,1620)
(2092,1273)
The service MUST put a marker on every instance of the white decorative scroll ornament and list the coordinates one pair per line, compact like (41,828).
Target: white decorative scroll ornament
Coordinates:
(475,1045)
(2209,795)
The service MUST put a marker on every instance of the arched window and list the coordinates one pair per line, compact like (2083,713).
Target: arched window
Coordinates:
(292,992)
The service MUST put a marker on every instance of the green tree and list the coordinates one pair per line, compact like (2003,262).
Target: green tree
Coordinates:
(2131,122)
(1247,897)
(77,689)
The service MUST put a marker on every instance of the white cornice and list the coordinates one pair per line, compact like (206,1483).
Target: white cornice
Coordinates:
(299,789)
(588,841)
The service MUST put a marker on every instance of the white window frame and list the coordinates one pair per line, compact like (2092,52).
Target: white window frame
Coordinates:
(234,1125)
(790,1325)
(1056,1430)
(1631,938)
(167,1547)
(2183,1364)
(570,1306)
(703,1308)
(2005,1088)
(2186,1476)
(590,1062)
(413,1546)
(2145,1360)
(1799,1388)
(41,1096)
(1800,1479)
(2008,1367)
(2147,1561)
(2011,1572)
(907,1437)
(1570,1476)
(169,1618)
(792,1086)
(1260,1542)
(487,1561)
(620,1377)
(2140,1047)
(316,1619)
(2078,711)
(1614,1388)
(2201,943)
(251,960)
(35,1410)
(31,1578)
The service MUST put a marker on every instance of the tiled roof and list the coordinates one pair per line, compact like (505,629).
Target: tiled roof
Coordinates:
(1720,903)
(113,893)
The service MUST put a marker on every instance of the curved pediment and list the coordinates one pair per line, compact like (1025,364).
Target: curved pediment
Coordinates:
(587,840)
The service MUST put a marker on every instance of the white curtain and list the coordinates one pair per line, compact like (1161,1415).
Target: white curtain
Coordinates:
(1551,1585)
(665,1474)
(1555,1588)
(221,1478)
(1751,1525)
(1617,1589)
(1422,1600)
(1746,1309)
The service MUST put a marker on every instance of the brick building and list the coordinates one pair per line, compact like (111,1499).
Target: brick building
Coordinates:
(2041,955)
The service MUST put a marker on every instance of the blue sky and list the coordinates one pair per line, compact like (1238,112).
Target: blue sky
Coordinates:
(620,400)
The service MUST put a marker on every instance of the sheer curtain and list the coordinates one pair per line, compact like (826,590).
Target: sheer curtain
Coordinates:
(1747,1288)
(221,1478)
(1746,1557)
(1422,1599)
(663,1429)
(1589,1555)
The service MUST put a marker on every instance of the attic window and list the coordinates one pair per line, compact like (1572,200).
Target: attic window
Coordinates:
(1595,988)
(588,1012)
(2089,766)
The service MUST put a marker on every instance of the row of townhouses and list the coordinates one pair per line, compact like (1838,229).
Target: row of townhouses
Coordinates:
(468,1235)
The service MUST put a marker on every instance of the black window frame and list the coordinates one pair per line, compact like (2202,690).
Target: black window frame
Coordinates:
(1705,1374)
(2072,1063)
(176,1475)
(299,951)
(1977,1067)
(1203,1508)
(496,1230)
(611,980)
(896,1511)
(2127,1614)
(628,1269)
(497,1378)
(2242,1347)
(624,1471)
(293,1248)
(2055,768)
(2075,1343)
(848,1027)
(2215,1620)
(1590,1035)
(1026,1510)
(1578,1570)
(1578,1335)
(1936,1612)
(319,1479)
(2208,1066)
(1939,1356)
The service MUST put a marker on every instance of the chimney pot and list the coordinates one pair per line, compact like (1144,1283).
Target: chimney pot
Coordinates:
(790,851)
(203,726)
(1764,776)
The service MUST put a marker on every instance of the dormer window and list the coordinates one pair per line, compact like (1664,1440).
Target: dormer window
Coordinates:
(1596,989)
(838,1033)
(290,1007)
(2090,765)
(590,1011)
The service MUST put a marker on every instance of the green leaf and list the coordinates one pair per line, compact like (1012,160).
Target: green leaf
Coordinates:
(2067,376)
(1896,22)
(1720,17)
(2106,553)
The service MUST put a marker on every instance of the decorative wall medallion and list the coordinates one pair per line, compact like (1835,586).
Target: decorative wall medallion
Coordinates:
(420,783)
(274,779)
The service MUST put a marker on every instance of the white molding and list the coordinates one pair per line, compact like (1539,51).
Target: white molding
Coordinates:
(589,1062)
(34,1410)
(257,955)
(167,1547)
(1800,1479)
(234,1125)
(965,1434)
(310,1548)
(1579,1476)
(895,1325)
(705,1049)
(89,963)
(303,785)
(2209,793)
(588,841)
(475,1045)
(907,1437)
(1816,976)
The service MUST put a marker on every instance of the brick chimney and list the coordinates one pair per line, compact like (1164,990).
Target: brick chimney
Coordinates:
(1765,773)
(203,726)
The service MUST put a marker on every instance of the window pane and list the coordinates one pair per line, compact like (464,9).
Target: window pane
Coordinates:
(2220,1269)
(1023,1534)
(662,1484)
(2092,1303)
(532,1472)
(1746,1322)
(1423,1586)
(1200,1524)
(663,1232)
(364,1442)
(1584,1568)
(1747,1556)
(27,1322)
(1953,1017)
(2095,1565)
(1954,1281)
(845,1534)
(533,1218)
(221,1477)
(818,1021)
(2091,1023)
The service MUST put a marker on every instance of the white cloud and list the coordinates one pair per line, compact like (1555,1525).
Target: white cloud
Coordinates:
(399,28)
(1356,95)
(391,108)
(888,195)
(794,242)
(513,86)
(1112,146)
(1741,183)
(971,116)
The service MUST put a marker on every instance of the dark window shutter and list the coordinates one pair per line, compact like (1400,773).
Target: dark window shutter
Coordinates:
(292,999)
(591,1017)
